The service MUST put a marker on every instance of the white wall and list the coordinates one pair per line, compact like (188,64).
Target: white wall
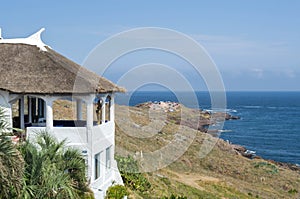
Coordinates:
(74,135)
(103,136)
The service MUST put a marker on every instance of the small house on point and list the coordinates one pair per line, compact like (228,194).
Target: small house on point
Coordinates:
(34,76)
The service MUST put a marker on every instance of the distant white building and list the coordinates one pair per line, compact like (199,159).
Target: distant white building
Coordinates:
(34,76)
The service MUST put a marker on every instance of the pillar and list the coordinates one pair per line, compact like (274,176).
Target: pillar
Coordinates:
(21,112)
(49,114)
(89,114)
(79,109)
(89,126)
(112,108)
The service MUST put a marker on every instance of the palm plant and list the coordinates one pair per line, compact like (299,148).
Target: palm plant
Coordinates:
(52,170)
(11,162)
(4,125)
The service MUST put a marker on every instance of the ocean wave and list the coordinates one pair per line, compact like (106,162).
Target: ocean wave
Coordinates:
(224,131)
(252,106)
(283,107)
(250,152)
(227,110)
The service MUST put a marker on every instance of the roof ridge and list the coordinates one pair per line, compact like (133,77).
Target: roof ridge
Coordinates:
(34,40)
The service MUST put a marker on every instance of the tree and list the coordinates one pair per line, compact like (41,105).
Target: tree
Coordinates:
(11,162)
(52,169)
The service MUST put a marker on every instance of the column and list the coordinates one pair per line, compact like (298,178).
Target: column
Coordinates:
(29,110)
(49,113)
(103,110)
(79,109)
(89,114)
(112,108)
(89,126)
(21,112)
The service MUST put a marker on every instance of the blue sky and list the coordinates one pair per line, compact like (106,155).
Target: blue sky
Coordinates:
(255,44)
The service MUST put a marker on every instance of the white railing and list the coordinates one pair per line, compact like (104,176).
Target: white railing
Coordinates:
(104,131)
(74,135)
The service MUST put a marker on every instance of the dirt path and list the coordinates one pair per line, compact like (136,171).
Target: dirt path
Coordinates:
(191,179)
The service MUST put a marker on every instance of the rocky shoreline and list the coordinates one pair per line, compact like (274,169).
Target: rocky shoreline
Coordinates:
(200,120)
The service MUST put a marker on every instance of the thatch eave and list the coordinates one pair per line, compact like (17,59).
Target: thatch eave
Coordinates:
(26,69)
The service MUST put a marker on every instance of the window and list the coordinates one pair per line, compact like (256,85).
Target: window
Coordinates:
(85,157)
(108,158)
(97,165)
(98,103)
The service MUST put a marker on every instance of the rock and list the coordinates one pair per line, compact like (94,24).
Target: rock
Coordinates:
(239,148)
(232,117)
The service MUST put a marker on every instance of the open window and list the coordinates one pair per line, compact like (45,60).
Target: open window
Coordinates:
(97,165)
(108,158)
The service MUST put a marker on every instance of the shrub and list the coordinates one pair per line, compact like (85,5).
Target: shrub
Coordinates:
(116,192)
(174,197)
(130,174)
(268,167)
(292,191)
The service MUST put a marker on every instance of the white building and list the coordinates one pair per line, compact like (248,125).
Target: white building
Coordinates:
(34,76)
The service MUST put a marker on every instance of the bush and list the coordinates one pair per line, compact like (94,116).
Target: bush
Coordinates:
(292,191)
(130,174)
(116,192)
(174,197)
(268,167)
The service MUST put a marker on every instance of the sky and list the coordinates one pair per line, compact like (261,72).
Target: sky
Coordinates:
(254,44)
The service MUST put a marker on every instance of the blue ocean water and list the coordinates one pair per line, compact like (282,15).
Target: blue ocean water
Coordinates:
(269,124)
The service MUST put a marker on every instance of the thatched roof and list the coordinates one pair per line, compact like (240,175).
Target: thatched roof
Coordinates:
(27,69)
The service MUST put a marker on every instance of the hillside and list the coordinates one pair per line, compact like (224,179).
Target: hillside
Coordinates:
(223,173)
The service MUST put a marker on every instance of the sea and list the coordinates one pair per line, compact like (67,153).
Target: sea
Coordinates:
(269,122)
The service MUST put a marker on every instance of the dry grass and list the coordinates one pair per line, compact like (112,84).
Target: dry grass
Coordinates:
(223,173)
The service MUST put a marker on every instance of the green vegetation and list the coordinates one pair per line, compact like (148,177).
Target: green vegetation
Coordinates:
(44,168)
(11,169)
(268,167)
(52,170)
(174,197)
(116,192)
(11,163)
(130,174)
(292,191)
